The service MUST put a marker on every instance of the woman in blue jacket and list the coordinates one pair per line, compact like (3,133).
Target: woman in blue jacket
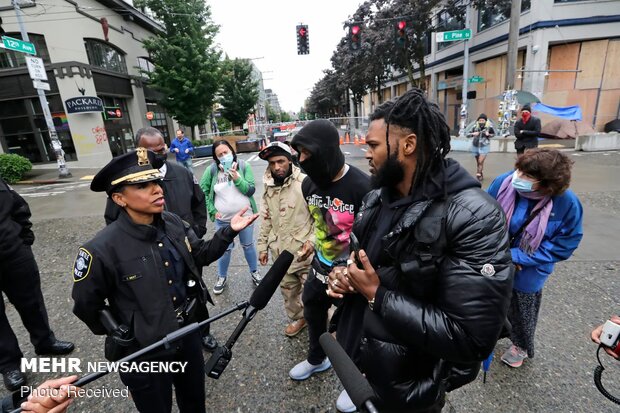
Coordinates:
(544,219)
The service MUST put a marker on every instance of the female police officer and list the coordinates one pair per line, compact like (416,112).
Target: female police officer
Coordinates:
(143,264)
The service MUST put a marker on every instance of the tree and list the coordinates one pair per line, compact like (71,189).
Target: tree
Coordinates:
(272,115)
(185,59)
(285,116)
(239,91)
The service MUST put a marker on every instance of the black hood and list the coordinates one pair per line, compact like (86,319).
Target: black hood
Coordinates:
(320,137)
(456,180)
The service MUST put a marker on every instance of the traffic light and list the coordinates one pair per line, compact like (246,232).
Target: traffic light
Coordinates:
(303,46)
(355,36)
(400,36)
(1,29)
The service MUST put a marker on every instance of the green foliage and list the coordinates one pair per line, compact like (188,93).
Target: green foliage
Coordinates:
(186,62)
(202,142)
(285,117)
(13,167)
(239,91)
(223,124)
(272,115)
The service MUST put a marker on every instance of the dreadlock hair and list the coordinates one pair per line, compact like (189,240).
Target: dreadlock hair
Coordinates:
(414,112)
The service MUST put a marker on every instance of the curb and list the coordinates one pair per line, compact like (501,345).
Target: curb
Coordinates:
(43,182)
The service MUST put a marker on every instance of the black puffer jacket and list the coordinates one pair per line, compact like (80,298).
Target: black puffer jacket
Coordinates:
(422,325)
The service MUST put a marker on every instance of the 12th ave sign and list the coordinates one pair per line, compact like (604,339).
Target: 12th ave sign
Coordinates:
(18,45)
(453,36)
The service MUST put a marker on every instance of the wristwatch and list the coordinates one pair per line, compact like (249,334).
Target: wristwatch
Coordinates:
(371,303)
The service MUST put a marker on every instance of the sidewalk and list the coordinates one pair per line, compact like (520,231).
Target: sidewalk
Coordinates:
(46,176)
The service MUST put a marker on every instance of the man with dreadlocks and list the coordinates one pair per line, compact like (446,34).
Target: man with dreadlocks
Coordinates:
(431,298)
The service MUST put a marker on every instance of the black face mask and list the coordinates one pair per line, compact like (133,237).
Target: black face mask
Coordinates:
(317,170)
(161,157)
(389,174)
(481,125)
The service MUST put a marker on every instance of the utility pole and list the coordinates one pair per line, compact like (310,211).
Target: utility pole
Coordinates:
(463,114)
(513,44)
(63,171)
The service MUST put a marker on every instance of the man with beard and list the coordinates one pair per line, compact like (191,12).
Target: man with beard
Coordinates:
(334,191)
(437,274)
(286,224)
(182,195)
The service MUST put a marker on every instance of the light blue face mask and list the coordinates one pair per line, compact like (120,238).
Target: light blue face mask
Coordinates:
(522,185)
(226,161)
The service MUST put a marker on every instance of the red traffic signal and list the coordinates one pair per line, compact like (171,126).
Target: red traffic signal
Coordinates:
(303,46)
(355,37)
(400,35)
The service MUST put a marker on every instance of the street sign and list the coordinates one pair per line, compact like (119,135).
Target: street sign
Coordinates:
(40,85)
(18,45)
(453,36)
(36,68)
(476,79)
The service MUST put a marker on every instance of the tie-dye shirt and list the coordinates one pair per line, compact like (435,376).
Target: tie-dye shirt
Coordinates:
(333,210)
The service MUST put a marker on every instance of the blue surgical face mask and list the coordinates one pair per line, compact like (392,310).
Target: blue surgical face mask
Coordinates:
(226,161)
(522,185)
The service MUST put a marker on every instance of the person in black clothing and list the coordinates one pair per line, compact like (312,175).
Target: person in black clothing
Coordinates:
(145,264)
(182,194)
(21,283)
(527,130)
(334,191)
(437,274)
(181,190)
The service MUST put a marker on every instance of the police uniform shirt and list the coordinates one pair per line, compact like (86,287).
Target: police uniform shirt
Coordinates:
(174,268)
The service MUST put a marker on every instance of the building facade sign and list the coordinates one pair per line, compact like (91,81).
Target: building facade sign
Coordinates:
(84,104)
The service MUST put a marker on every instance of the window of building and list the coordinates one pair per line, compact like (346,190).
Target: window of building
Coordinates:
(446,22)
(10,59)
(118,131)
(24,131)
(103,55)
(492,15)
(145,66)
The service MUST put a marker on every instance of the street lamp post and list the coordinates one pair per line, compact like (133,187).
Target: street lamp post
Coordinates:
(63,171)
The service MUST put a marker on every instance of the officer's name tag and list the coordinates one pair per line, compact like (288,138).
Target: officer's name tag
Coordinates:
(82,264)
(131,277)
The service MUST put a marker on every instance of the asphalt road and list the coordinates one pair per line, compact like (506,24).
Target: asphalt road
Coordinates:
(582,293)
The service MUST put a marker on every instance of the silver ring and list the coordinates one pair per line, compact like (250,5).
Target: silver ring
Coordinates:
(336,282)
(349,262)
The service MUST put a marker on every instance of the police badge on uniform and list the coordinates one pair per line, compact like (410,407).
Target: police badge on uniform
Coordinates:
(81,267)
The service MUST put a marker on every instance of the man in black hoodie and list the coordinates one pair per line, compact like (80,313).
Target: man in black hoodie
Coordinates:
(334,191)
(432,297)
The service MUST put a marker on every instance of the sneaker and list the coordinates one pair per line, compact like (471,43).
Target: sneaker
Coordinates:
(344,403)
(295,327)
(256,277)
(304,369)
(219,285)
(514,356)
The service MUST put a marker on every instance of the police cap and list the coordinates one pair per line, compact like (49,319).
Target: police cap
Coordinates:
(128,169)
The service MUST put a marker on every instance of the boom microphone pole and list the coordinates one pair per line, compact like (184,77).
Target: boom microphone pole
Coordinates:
(354,382)
(166,342)
(259,299)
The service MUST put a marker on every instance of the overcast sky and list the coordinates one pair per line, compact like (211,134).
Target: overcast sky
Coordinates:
(266,28)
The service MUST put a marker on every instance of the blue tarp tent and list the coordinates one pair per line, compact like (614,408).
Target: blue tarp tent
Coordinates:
(568,112)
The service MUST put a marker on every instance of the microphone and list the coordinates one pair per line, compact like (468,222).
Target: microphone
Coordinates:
(354,382)
(267,287)
(215,366)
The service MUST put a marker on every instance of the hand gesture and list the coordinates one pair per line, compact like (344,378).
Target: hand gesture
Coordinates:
(339,283)
(218,215)
(46,401)
(234,175)
(240,222)
(475,134)
(187,150)
(305,251)
(263,258)
(176,150)
(365,281)
(596,336)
